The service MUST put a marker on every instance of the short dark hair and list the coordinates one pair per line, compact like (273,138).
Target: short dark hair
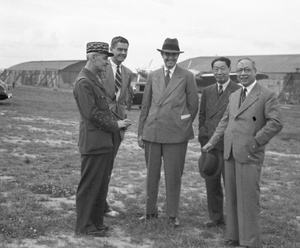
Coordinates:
(224,59)
(117,39)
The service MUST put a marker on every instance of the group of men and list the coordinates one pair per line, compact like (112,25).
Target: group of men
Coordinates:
(235,124)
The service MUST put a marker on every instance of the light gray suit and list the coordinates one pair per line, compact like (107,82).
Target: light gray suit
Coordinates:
(212,108)
(246,131)
(165,125)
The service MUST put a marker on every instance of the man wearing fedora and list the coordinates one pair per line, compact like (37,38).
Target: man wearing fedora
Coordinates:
(170,104)
(251,120)
(97,125)
(213,104)
(117,82)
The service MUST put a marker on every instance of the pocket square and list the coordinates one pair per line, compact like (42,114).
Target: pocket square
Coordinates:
(185,116)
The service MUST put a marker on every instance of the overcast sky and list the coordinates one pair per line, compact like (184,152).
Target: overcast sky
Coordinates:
(32,30)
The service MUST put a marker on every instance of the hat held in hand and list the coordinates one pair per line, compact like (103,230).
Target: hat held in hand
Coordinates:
(210,164)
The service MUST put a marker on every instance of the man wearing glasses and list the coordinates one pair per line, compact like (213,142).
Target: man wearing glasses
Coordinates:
(250,121)
(170,105)
(213,104)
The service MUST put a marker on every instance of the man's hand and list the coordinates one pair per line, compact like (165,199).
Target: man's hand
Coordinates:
(207,147)
(124,123)
(141,143)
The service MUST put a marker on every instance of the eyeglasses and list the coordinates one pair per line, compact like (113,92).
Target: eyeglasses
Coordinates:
(222,69)
(246,70)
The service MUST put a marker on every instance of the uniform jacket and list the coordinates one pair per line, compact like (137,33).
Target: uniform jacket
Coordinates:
(109,84)
(167,113)
(249,128)
(211,111)
(97,123)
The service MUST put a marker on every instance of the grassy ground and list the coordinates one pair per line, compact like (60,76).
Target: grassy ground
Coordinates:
(40,170)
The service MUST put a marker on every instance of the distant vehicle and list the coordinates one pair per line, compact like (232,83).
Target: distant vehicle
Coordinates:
(138,92)
(4,91)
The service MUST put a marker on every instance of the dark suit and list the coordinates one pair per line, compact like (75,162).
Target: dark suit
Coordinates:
(246,131)
(212,108)
(165,125)
(97,125)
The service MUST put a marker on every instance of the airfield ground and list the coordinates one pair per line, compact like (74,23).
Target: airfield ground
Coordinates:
(40,170)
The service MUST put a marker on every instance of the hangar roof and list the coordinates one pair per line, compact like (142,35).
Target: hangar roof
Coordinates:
(281,63)
(43,65)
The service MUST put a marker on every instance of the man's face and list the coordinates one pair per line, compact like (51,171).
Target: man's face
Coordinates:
(120,52)
(100,62)
(170,59)
(246,74)
(221,72)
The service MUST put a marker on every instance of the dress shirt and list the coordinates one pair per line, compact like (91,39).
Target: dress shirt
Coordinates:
(224,85)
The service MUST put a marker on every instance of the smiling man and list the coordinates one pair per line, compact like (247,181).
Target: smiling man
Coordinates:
(250,121)
(214,101)
(117,82)
(170,104)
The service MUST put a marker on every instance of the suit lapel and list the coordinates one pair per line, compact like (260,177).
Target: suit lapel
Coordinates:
(222,101)
(174,82)
(251,98)
(110,78)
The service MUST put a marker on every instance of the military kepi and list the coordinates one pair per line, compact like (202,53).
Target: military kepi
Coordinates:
(98,47)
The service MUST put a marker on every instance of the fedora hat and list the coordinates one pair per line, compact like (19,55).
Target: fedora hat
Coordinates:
(170,46)
(210,164)
(98,47)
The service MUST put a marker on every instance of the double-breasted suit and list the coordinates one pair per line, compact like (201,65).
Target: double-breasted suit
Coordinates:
(97,125)
(212,108)
(165,124)
(246,130)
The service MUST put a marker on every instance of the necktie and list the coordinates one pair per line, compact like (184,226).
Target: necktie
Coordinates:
(243,95)
(220,91)
(118,81)
(167,78)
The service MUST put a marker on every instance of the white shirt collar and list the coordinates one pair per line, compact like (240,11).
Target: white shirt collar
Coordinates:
(250,87)
(114,66)
(224,85)
(171,70)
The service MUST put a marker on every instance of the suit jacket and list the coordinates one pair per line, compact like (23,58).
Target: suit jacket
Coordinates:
(97,123)
(117,106)
(211,111)
(249,128)
(167,113)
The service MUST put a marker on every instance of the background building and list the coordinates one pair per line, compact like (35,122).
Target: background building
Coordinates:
(283,73)
(56,74)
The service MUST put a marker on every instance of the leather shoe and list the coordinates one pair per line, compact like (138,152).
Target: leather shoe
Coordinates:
(174,222)
(231,242)
(111,213)
(102,228)
(211,224)
(148,217)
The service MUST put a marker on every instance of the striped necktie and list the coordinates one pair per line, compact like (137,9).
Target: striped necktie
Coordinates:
(118,80)
(220,91)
